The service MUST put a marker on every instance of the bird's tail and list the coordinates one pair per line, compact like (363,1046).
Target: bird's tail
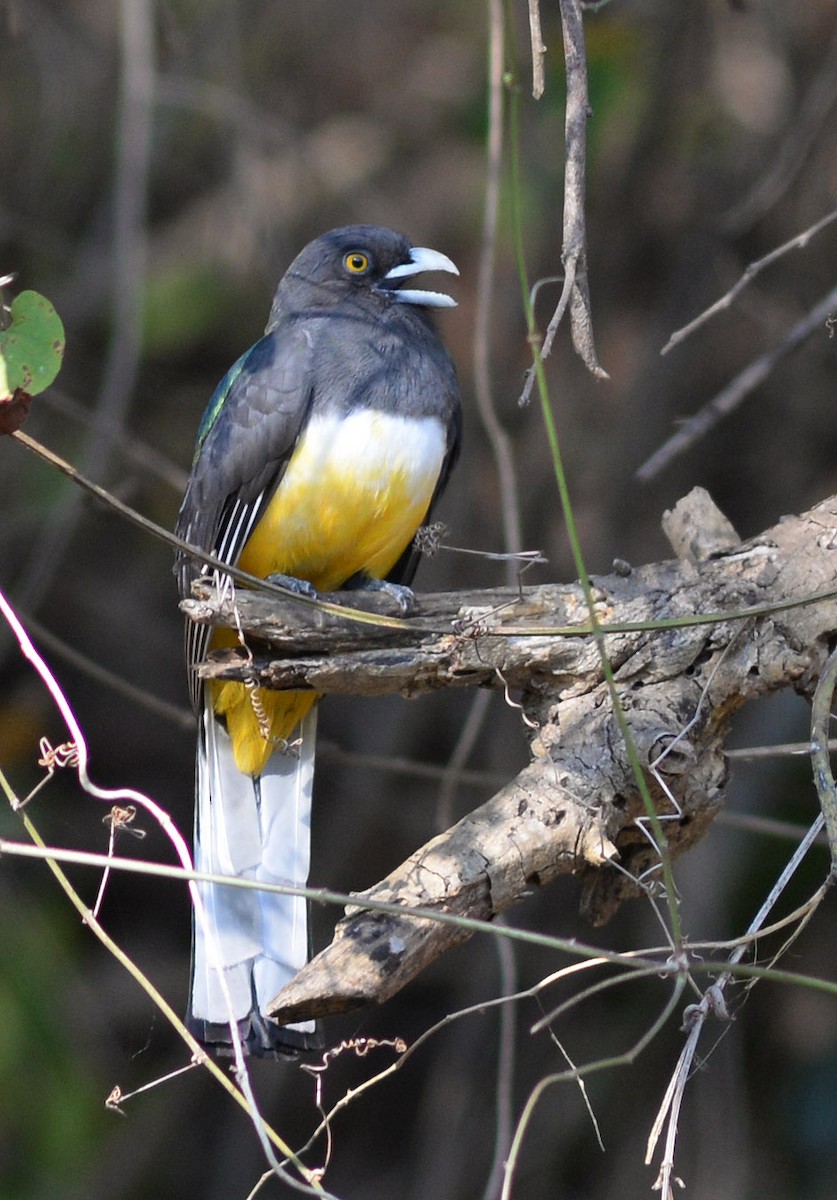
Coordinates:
(255,828)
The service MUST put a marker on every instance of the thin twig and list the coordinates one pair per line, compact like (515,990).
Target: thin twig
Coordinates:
(399,765)
(713,1002)
(609,984)
(799,242)
(778,750)
(590,955)
(198,1053)
(628,1056)
(630,960)
(785,831)
(316,895)
(552,328)
(538,48)
(728,399)
(118,1097)
(582,1087)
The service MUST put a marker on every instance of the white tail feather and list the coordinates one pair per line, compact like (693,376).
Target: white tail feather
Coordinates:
(257,829)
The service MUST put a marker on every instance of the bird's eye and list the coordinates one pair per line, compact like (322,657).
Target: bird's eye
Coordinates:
(356,262)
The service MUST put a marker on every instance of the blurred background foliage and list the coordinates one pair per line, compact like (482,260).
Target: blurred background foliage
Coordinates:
(160,165)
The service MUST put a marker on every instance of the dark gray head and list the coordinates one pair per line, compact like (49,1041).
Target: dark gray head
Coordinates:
(358,259)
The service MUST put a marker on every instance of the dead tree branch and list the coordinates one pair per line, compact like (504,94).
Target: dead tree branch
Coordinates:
(574,808)
(576,291)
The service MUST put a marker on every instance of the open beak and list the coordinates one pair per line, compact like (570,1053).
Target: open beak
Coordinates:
(421,259)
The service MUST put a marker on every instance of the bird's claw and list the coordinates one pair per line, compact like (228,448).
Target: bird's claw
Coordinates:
(403,596)
(300,587)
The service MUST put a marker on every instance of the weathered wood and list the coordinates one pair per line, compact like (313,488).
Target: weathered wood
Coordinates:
(576,807)
(531,831)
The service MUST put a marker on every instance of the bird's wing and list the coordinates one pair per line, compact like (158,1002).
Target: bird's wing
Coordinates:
(244,442)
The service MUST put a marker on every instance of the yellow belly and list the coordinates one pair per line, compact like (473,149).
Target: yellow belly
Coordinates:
(353,495)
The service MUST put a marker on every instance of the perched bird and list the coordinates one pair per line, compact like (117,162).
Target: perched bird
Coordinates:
(321,453)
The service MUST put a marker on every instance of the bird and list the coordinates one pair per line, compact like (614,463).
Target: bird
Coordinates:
(320,455)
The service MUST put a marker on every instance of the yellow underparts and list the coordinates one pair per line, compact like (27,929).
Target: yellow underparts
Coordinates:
(352,497)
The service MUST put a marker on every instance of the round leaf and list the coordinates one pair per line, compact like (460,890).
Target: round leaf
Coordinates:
(33,345)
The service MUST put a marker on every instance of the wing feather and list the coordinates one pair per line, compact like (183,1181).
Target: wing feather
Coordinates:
(246,437)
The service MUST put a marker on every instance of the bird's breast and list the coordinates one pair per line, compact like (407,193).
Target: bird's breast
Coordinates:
(353,494)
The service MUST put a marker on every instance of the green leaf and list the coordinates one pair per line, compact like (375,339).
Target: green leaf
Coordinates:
(32,347)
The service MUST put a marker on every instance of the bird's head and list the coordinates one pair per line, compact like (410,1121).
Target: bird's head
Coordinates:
(359,258)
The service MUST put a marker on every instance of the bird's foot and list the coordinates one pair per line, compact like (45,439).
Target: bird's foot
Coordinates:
(300,587)
(403,596)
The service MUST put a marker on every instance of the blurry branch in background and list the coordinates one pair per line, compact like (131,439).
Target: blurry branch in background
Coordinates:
(126,293)
(787,161)
(501,448)
(502,451)
(738,389)
(225,105)
(576,807)
(182,717)
(800,242)
(135,450)
(575,292)
(498,438)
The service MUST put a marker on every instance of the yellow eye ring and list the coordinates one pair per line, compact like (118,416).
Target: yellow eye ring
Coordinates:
(356,262)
